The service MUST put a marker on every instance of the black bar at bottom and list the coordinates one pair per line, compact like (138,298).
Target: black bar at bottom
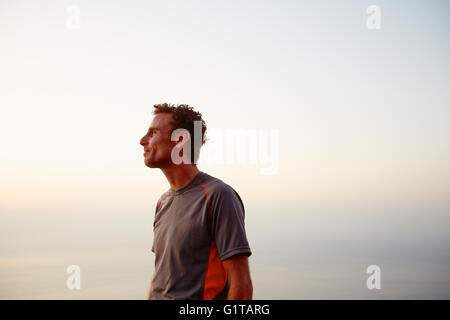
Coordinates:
(255,309)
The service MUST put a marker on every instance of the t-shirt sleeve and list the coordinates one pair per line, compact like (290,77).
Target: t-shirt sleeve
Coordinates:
(228,227)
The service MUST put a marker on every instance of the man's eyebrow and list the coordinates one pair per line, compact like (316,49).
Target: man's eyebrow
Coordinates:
(158,129)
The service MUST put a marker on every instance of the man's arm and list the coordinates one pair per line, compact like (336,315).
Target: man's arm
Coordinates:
(240,283)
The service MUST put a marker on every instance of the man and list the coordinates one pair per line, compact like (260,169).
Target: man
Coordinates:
(200,244)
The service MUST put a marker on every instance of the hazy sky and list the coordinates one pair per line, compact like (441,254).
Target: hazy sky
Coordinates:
(362,117)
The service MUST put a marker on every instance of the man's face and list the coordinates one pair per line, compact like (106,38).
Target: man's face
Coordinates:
(157,144)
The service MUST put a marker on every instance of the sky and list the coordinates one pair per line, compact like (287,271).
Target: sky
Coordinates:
(351,124)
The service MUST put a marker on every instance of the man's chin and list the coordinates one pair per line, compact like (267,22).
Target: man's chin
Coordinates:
(153,164)
(159,163)
(149,163)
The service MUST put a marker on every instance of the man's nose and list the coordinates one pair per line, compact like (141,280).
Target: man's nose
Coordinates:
(144,140)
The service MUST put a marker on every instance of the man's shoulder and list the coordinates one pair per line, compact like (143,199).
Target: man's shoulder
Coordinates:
(216,186)
(222,194)
(164,195)
(161,199)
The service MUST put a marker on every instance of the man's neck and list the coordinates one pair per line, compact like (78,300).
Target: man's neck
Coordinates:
(179,176)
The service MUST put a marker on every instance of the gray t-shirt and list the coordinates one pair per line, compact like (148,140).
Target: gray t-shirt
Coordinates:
(195,228)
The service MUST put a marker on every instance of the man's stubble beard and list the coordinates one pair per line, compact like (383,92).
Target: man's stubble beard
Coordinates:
(162,163)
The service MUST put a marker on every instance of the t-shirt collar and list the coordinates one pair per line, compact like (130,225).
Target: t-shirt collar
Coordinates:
(186,187)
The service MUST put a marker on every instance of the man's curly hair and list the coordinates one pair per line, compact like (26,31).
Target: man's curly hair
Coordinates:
(183,117)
